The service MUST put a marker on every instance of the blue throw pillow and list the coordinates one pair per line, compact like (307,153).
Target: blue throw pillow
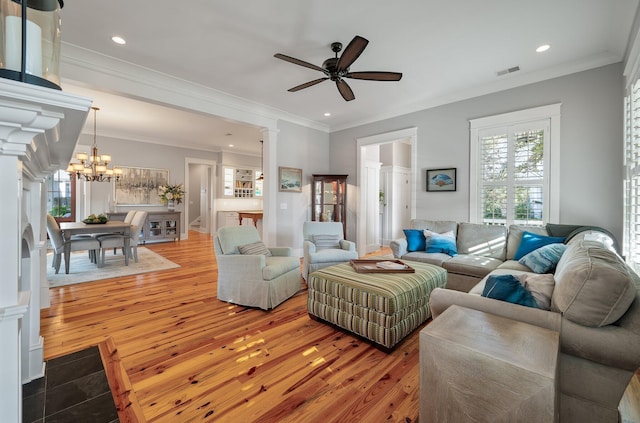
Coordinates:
(531,241)
(544,259)
(508,288)
(415,239)
(442,243)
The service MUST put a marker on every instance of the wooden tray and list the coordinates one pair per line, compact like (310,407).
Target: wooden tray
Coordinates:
(369,266)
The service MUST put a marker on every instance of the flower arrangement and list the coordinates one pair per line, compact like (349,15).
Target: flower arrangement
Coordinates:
(171,192)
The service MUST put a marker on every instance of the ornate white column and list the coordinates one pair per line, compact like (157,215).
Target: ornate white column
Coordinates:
(39,128)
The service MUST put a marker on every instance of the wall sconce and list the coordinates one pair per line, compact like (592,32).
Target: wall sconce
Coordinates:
(31,41)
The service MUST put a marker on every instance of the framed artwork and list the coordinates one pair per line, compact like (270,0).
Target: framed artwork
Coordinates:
(290,179)
(441,179)
(139,186)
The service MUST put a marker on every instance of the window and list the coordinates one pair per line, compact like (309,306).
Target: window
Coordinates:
(632,178)
(61,196)
(511,168)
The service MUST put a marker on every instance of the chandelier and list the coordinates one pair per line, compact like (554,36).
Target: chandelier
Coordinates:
(94,167)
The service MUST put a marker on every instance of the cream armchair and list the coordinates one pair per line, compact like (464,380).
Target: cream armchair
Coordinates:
(324,245)
(250,274)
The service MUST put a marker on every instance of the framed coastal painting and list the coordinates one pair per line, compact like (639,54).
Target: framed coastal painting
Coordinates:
(290,179)
(139,186)
(441,179)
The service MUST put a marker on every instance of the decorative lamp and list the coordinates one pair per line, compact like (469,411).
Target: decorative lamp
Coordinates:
(94,167)
(30,50)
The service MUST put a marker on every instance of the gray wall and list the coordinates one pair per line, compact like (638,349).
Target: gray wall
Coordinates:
(591,150)
(306,149)
(138,154)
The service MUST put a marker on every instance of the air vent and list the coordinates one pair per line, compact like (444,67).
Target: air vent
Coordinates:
(509,70)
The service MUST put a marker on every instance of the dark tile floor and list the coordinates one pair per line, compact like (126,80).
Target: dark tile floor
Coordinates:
(74,389)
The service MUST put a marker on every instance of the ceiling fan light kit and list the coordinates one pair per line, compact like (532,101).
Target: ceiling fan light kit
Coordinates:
(337,68)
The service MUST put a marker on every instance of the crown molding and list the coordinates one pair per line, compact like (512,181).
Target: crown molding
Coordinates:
(109,74)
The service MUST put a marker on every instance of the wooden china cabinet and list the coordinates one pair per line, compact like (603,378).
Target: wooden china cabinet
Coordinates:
(329,199)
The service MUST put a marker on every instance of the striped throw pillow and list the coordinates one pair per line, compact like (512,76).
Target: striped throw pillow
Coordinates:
(544,259)
(324,242)
(255,248)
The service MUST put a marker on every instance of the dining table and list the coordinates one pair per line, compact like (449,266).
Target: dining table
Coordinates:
(255,215)
(70,229)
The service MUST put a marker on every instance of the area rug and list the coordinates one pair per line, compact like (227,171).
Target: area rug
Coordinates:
(82,270)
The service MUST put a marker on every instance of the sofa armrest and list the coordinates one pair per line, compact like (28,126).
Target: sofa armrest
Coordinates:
(398,247)
(610,345)
(441,299)
(281,251)
(347,245)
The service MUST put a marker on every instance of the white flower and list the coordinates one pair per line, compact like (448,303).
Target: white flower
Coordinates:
(169,196)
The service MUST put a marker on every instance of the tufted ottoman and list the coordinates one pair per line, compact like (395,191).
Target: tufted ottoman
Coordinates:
(382,307)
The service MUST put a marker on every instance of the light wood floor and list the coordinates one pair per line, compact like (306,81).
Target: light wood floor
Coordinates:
(174,353)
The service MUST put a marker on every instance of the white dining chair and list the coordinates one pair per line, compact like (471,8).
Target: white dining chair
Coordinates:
(118,241)
(77,244)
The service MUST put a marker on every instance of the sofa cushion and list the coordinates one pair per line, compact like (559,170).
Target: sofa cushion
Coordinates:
(255,248)
(514,265)
(470,265)
(515,235)
(531,241)
(438,226)
(415,239)
(594,287)
(431,258)
(440,243)
(482,240)
(544,259)
(508,288)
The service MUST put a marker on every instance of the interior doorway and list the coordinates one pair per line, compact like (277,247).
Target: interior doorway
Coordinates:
(200,194)
(370,222)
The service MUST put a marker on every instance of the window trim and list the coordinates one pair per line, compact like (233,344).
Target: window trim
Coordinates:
(73,184)
(552,176)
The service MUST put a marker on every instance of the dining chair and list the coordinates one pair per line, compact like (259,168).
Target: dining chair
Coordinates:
(117,241)
(77,244)
(127,219)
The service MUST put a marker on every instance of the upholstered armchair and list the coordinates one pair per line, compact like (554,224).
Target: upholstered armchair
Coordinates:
(251,274)
(324,245)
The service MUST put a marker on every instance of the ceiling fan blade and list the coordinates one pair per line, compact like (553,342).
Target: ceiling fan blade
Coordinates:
(306,85)
(299,62)
(345,90)
(352,52)
(375,76)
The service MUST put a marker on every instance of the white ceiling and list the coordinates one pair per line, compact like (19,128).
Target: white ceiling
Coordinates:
(447,51)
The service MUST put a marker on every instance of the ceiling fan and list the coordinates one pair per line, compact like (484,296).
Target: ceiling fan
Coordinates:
(336,69)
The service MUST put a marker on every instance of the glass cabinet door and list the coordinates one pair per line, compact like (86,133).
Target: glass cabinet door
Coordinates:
(328,198)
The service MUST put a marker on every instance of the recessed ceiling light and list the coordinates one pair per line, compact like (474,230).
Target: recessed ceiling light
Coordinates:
(118,40)
(542,48)
(327,114)
(231,145)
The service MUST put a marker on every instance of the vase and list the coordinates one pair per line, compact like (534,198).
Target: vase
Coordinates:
(171,205)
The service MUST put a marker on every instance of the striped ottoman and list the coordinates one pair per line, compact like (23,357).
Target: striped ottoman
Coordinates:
(382,307)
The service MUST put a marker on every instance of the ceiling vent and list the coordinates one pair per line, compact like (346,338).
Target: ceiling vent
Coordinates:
(509,70)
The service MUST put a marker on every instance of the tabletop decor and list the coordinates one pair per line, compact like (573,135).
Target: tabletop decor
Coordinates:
(171,195)
(92,219)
